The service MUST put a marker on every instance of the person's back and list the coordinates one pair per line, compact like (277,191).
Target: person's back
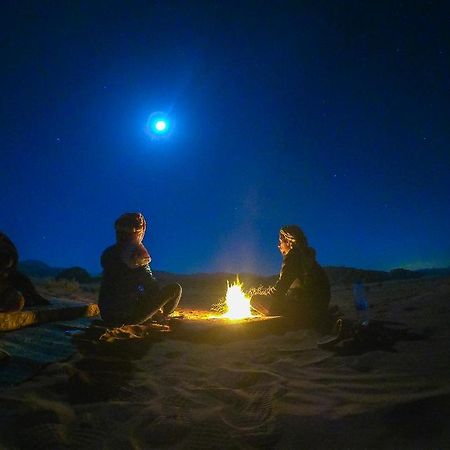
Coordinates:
(123,287)
(310,287)
(129,293)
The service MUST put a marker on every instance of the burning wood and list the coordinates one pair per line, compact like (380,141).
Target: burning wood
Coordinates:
(236,304)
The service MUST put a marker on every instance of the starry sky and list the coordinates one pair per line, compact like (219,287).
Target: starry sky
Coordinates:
(331,115)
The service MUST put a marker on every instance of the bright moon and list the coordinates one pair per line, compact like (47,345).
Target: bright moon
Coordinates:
(160,125)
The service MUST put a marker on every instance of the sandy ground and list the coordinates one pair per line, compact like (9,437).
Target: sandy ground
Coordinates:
(275,391)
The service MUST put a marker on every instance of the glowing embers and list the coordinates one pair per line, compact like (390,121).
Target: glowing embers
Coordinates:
(237,303)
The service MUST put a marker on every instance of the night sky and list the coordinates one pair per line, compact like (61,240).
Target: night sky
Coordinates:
(333,115)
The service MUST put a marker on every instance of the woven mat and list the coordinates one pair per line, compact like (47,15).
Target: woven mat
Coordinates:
(32,348)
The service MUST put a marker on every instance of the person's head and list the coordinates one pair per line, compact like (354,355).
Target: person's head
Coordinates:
(291,236)
(130,227)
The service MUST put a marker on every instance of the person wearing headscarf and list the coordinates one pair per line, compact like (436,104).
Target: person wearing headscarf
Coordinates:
(16,289)
(129,293)
(302,291)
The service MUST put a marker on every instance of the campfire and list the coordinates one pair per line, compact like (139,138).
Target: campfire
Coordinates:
(237,302)
(234,306)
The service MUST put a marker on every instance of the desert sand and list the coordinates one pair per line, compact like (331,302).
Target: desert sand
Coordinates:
(271,391)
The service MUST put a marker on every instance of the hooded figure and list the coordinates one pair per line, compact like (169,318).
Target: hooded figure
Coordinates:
(302,292)
(129,293)
(16,289)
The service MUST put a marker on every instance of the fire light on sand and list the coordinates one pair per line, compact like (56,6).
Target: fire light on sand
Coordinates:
(237,303)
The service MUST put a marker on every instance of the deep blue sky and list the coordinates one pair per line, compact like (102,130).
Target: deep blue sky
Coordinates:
(330,114)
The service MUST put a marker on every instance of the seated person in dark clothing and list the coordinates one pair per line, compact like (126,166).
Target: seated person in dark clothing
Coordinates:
(16,289)
(302,292)
(129,294)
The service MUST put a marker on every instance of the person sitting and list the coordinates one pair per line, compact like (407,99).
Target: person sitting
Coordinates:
(16,289)
(129,293)
(302,292)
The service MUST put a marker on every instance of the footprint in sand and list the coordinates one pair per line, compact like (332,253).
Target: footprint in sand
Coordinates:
(230,397)
(187,399)
(253,422)
(44,436)
(253,413)
(209,433)
(162,431)
(265,358)
(89,433)
(139,394)
(243,378)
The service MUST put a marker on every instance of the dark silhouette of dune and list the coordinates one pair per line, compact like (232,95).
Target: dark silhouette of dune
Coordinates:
(38,269)
(336,274)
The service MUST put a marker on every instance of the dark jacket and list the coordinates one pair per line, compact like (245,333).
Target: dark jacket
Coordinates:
(300,274)
(122,287)
(302,287)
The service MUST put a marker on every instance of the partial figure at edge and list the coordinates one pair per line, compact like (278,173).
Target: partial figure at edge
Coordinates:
(16,289)
(302,292)
(129,293)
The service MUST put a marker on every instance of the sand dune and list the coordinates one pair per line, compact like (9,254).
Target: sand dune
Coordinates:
(275,391)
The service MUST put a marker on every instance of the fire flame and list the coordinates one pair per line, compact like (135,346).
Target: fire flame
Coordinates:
(237,303)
